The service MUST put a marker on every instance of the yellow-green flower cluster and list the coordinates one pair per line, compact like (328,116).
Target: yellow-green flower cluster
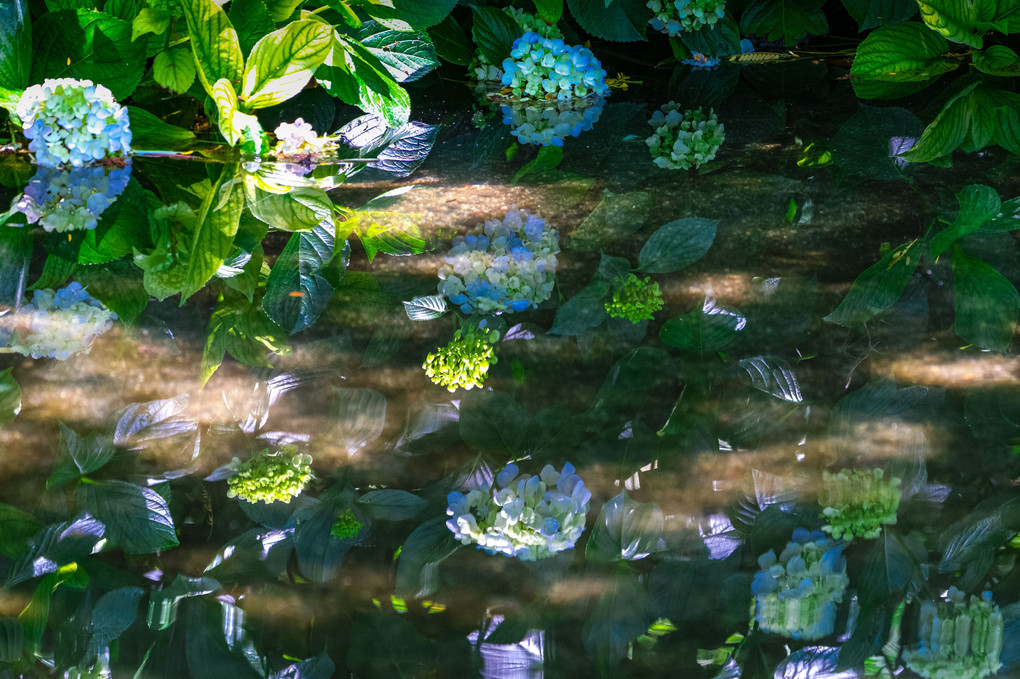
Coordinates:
(857,502)
(957,639)
(345,526)
(270,477)
(684,140)
(463,363)
(635,299)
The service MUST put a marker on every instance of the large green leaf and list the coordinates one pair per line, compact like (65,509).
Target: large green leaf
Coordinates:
(296,291)
(410,15)
(873,13)
(214,43)
(118,285)
(979,204)
(281,10)
(625,530)
(618,20)
(494,32)
(88,45)
(16,527)
(998,60)
(242,329)
(451,42)
(10,397)
(15,45)
(894,61)
(150,133)
(406,55)
(879,287)
(583,311)
(677,245)
(613,219)
(986,303)
(620,617)
(251,20)
(975,117)
(282,63)
(704,331)
(136,518)
(1008,218)
(966,21)
(391,505)
(789,20)
(353,74)
(174,69)
(78,456)
(381,229)
(123,227)
(549,11)
(947,131)
(425,548)
(319,554)
(114,613)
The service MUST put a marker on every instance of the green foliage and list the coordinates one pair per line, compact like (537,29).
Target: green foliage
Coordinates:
(677,245)
(10,397)
(451,42)
(966,21)
(282,63)
(352,73)
(296,290)
(873,13)
(620,20)
(494,32)
(704,331)
(242,329)
(789,20)
(174,69)
(410,15)
(15,45)
(214,44)
(894,61)
(407,56)
(625,530)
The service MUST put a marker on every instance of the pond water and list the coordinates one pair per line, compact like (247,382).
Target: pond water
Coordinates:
(703,437)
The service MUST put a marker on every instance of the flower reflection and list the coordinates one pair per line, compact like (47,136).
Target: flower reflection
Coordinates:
(550,123)
(55,324)
(957,638)
(69,200)
(522,660)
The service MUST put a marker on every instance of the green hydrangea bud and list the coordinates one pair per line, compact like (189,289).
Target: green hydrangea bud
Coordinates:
(635,299)
(345,526)
(957,639)
(857,502)
(270,477)
(681,141)
(463,363)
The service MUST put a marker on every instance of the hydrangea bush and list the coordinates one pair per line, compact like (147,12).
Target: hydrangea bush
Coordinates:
(502,265)
(69,200)
(957,639)
(73,122)
(857,502)
(56,323)
(528,517)
(675,16)
(463,363)
(270,477)
(544,68)
(550,123)
(796,595)
(681,141)
(483,69)
(635,299)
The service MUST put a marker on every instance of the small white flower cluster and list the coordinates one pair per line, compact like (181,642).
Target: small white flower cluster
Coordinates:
(483,69)
(67,200)
(56,324)
(502,265)
(674,17)
(528,517)
(73,122)
(298,147)
(550,124)
(544,68)
(684,140)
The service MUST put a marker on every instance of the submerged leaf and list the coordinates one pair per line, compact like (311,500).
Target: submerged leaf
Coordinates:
(774,376)
(626,530)
(425,308)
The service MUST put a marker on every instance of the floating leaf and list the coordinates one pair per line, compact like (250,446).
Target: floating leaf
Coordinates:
(114,613)
(705,331)
(615,218)
(879,287)
(137,519)
(493,422)
(243,330)
(986,303)
(425,308)
(626,530)
(677,244)
(773,375)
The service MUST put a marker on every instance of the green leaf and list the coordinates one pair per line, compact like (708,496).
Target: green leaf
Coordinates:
(451,42)
(583,311)
(894,61)
(406,55)
(15,45)
(251,20)
(281,10)
(382,230)
(426,308)
(998,60)
(494,32)
(118,285)
(242,329)
(619,21)
(88,45)
(626,530)
(391,505)
(986,303)
(10,397)
(549,11)
(723,39)
(1008,218)
(150,20)
(615,218)
(282,63)
(975,117)
(411,15)
(353,74)
(620,617)
(868,143)
(979,204)
(789,20)
(947,131)
(397,152)
(136,518)
(677,245)
(174,69)
(425,548)
(319,554)
(114,613)
(879,287)
(296,291)
(614,269)
(16,528)
(704,331)
(893,566)
(150,133)
(493,422)
(78,456)
(548,158)
(873,13)
(214,43)
(772,375)
(56,271)
(963,21)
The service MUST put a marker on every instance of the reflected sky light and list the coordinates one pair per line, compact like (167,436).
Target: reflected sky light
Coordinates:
(523,660)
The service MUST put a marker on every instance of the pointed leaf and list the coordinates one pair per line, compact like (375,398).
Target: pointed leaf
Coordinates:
(705,331)
(789,20)
(879,287)
(352,73)
(114,613)
(583,311)
(174,69)
(894,61)
(251,19)
(986,303)
(613,219)
(282,63)
(979,204)
(16,527)
(296,291)
(214,44)
(873,13)
(406,55)
(773,375)
(137,519)
(15,45)
(391,505)
(625,529)
(425,308)
(425,548)
(78,456)
(494,32)
(677,244)
(619,21)
(493,422)
(998,60)
(150,133)
(410,15)
(451,42)
(10,397)
(319,554)
(959,20)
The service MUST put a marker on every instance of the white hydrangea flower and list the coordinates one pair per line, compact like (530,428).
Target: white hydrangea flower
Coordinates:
(68,200)
(681,141)
(56,324)
(552,123)
(73,122)
(502,265)
(528,517)
(544,68)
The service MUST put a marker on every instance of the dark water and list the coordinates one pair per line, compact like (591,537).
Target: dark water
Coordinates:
(719,419)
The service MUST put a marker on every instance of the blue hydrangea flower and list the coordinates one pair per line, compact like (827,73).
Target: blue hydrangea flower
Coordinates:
(502,266)
(524,516)
(70,199)
(796,594)
(484,70)
(546,68)
(675,16)
(56,323)
(73,122)
(548,124)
